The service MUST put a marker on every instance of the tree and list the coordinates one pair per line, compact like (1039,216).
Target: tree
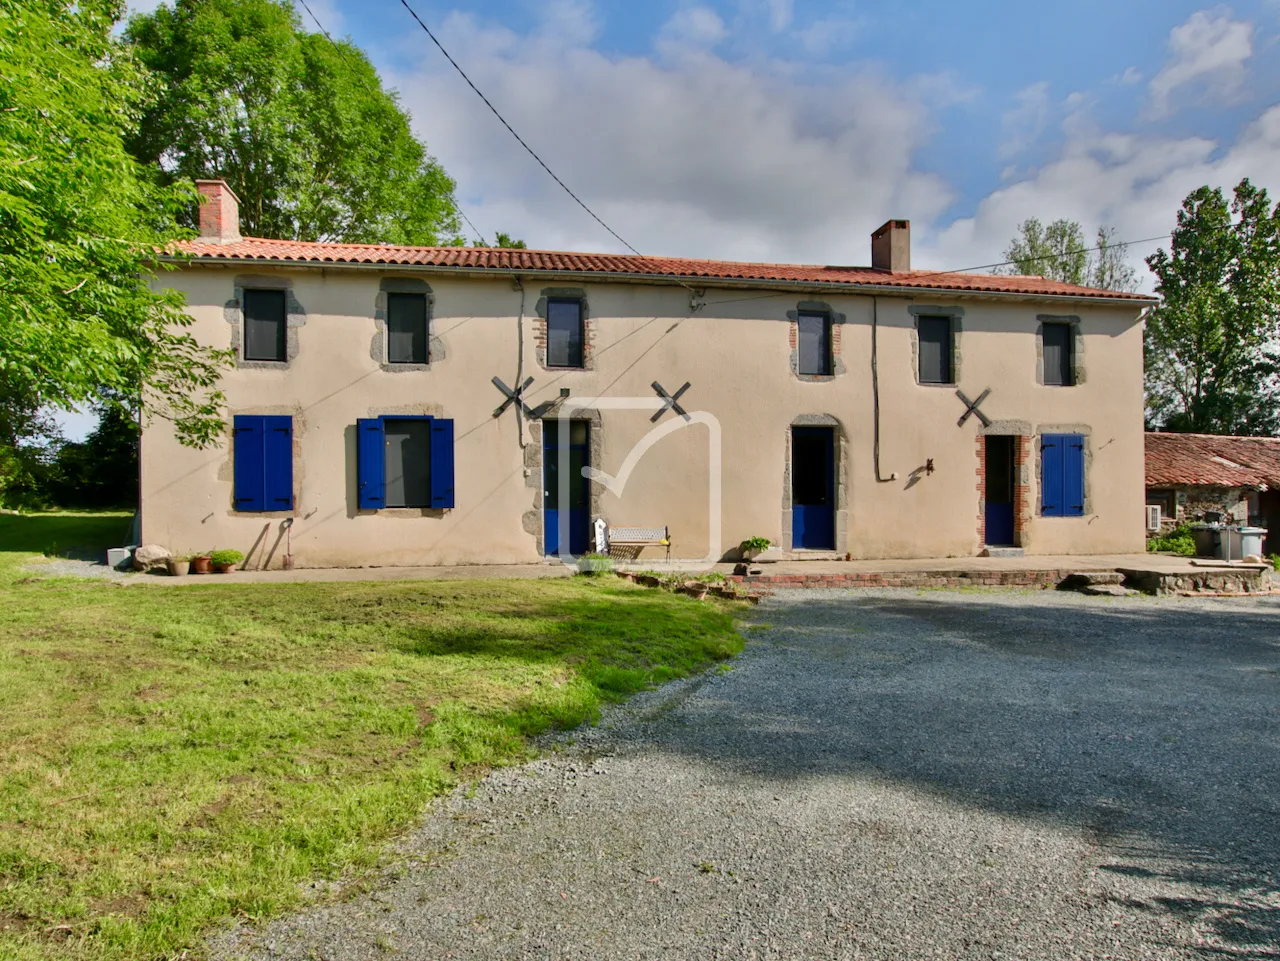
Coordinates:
(503,240)
(80,224)
(1212,362)
(299,126)
(102,470)
(1058,252)
(29,438)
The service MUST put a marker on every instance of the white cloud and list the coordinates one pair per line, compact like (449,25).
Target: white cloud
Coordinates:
(1026,120)
(1130,76)
(830,33)
(694,155)
(692,27)
(780,13)
(773,160)
(1208,51)
(1133,182)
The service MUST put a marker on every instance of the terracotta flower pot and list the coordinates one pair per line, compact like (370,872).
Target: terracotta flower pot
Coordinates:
(177,568)
(201,565)
(224,568)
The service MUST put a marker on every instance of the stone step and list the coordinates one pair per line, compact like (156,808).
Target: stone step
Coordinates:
(1079,580)
(1003,552)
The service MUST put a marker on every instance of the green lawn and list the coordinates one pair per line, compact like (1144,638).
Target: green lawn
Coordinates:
(170,758)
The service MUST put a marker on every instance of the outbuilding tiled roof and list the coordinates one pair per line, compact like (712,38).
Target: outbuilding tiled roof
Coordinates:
(505,260)
(1212,460)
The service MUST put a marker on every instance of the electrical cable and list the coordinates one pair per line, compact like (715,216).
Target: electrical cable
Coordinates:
(513,133)
(343,53)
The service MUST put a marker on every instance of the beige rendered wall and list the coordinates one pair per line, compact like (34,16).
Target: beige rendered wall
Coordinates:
(736,358)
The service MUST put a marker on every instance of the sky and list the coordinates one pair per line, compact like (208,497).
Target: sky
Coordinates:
(787,131)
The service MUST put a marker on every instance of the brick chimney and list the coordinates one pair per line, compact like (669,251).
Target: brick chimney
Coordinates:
(891,247)
(219,212)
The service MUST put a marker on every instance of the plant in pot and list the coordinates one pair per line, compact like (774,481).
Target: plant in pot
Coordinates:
(201,563)
(179,565)
(225,561)
(753,547)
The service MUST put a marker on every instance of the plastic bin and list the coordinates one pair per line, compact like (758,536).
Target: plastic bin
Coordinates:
(1249,541)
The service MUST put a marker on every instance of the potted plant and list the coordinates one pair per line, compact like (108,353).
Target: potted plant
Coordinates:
(201,564)
(753,547)
(593,564)
(178,565)
(225,561)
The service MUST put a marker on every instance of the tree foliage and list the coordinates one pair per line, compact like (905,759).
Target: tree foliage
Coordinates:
(80,222)
(299,126)
(102,470)
(1058,252)
(1211,345)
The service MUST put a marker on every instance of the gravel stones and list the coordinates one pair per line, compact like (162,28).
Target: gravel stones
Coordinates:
(882,774)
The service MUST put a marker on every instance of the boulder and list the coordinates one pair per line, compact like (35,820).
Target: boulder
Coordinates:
(150,555)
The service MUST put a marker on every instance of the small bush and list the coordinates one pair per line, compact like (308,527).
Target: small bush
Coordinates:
(226,556)
(754,544)
(1177,541)
(593,565)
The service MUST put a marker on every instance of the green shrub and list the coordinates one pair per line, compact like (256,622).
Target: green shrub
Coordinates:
(226,556)
(754,544)
(593,564)
(1177,541)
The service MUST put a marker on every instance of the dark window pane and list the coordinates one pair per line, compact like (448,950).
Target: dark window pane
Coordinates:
(1057,349)
(999,470)
(935,350)
(265,325)
(408,463)
(564,333)
(407,328)
(814,344)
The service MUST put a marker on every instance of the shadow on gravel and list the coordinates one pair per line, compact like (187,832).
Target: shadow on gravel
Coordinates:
(1154,727)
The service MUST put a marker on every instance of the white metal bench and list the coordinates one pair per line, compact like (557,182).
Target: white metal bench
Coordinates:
(637,537)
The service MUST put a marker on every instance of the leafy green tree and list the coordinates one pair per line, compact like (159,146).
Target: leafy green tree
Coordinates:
(1058,252)
(1212,363)
(80,223)
(501,240)
(102,470)
(299,126)
(29,438)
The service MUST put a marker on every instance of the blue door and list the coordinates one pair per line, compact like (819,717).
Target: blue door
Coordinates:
(998,491)
(813,488)
(565,524)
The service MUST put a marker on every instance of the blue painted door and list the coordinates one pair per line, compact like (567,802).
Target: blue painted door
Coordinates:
(565,525)
(813,488)
(998,491)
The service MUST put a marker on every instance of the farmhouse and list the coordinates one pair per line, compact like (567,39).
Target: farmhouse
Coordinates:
(1191,475)
(417,406)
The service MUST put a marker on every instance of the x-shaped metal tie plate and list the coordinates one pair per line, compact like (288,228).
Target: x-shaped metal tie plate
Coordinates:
(670,402)
(971,407)
(513,397)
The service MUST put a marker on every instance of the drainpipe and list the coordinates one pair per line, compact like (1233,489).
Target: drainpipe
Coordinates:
(519,284)
(875,392)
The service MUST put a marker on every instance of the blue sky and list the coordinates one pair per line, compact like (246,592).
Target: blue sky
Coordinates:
(787,131)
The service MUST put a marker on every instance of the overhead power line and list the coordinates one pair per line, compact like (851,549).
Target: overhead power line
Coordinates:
(343,53)
(532,153)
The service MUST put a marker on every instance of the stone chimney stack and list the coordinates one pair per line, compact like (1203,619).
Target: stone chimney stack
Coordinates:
(891,247)
(219,212)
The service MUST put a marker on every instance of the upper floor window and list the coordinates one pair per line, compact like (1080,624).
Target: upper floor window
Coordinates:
(814,343)
(266,325)
(565,333)
(407,334)
(1058,352)
(935,350)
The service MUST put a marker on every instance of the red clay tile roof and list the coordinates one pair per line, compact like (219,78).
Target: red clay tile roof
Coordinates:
(507,260)
(1212,460)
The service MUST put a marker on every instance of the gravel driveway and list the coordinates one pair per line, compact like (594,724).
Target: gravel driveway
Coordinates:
(882,774)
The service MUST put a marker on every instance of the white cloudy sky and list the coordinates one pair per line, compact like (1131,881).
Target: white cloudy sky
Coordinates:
(786,130)
(778,130)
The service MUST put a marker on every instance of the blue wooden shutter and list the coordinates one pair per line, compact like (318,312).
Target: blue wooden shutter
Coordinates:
(441,463)
(278,463)
(247,456)
(1073,475)
(1052,493)
(371,464)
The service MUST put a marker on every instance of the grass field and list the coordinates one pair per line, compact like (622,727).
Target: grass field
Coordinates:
(173,758)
